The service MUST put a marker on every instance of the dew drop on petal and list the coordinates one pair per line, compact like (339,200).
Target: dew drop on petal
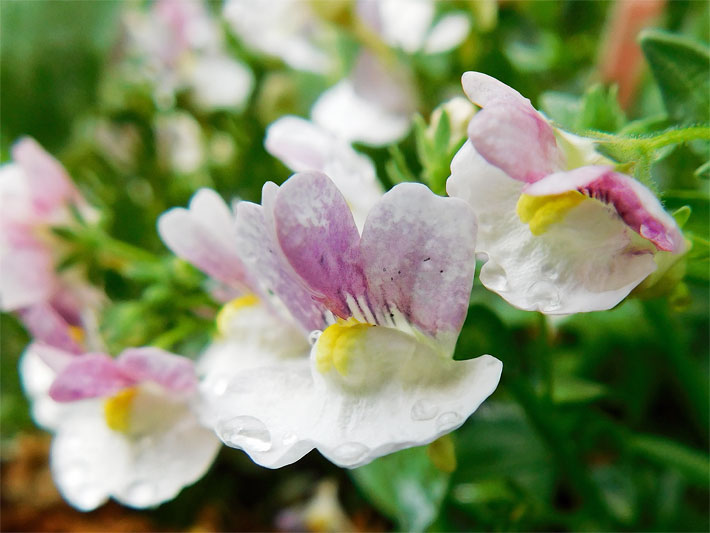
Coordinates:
(313,336)
(424,410)
(350,452)
(545,295)
(550,272)
(141,493)
(495,277)
(448,420)
(245,432)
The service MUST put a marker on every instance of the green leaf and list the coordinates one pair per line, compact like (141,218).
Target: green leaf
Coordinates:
(561,107)
(680,67)
(575,390)
(703,171)
(681,215)
(600,110)
(405,486)
(442,135)
(693,464)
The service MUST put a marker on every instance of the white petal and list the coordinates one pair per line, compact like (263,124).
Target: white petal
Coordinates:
(36,378)
(589,261)
(220,82)
(450,31)
(345,113)
(88,460)
(407,396)
(404,23)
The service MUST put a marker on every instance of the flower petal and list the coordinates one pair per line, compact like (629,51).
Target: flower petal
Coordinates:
(483,89)
(634,203)
(205,235)
(171,371)
(220,82)
(89,376)
(318,236)
(449,32)
(49,183)
(256,240)
(37,376)
(514,137)
(589,261)
(47,325)
(353,118)
(27,268)
(303,145)
(414,397)
(418,252)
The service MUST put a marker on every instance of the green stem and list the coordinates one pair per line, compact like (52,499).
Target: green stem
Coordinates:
(654,142)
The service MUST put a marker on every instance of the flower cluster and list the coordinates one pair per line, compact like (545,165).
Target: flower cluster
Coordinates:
(342,303)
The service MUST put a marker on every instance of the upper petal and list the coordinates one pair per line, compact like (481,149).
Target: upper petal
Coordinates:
(318,236)
(205,235)
(418,255)
(48,326)
(634,203)
(171,371)
(483,89)
(273,275)
(89,376)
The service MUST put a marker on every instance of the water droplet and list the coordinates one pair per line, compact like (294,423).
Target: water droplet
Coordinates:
(313,336)
(423,410)
(493,276)
(140,493)
(350,453)
(448,420)
(550,271)
(289,439)
(245,432)
(545,295)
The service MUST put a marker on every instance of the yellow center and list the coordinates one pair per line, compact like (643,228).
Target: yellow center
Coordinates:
(226,314)
(540,212)
(76,334)
(117,410)
(338,343)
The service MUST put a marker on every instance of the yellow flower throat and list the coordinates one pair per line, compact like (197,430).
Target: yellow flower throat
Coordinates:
(540,212)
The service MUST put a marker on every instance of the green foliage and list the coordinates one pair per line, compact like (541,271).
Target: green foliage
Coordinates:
(406,486)
(680,67)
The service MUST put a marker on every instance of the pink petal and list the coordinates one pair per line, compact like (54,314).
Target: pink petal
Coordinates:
(257,242)
(514,137)
(635,204)
(50,184)
(483,89)
(92,375)
(418,251)
(204,234)
(318,236)
(47,325)
(55,358)
(171,371)
(28,276)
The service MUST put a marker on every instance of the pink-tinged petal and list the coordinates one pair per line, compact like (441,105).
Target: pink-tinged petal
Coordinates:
(47,325)
(634,203)
(55,358)
(205,235)
(418,252)
(89,376)
(514,137)
(303,145)
(50,185)
(260,252)
(171,371)
(318,236)
(26,273)
(483,89)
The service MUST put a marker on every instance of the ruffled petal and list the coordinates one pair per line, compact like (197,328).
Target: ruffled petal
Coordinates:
(205,235)
(318,236)
(418,253)
(275,278)
(412,397)
(175,373)
(89,376)
(634,203)
(588,261)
